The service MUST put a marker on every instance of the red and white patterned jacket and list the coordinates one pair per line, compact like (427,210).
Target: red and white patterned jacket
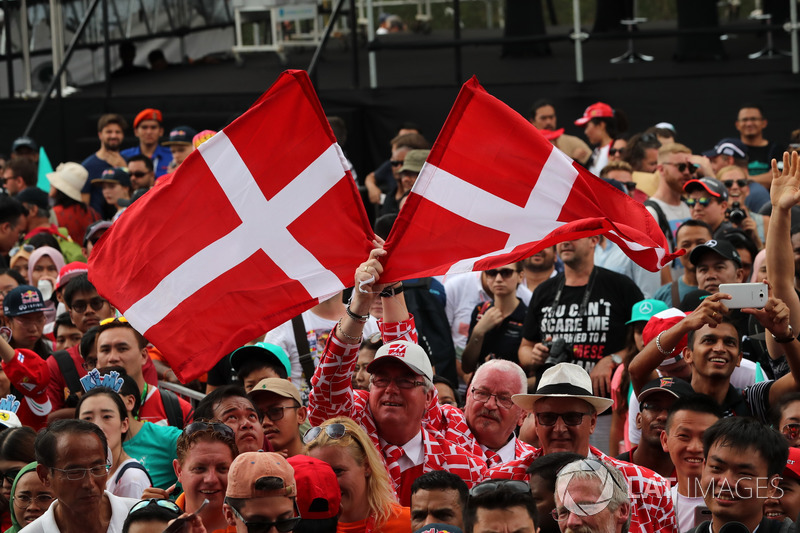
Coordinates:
(447,440)
(651,505)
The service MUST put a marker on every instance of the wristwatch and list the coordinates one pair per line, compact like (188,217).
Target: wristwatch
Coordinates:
(617,358)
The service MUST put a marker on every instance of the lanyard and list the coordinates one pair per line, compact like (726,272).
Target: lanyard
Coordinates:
(587,292)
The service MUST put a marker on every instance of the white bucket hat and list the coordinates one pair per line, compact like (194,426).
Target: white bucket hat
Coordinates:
(564,380)
(69,178)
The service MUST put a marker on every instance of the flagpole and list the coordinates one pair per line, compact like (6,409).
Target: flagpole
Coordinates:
(577,36)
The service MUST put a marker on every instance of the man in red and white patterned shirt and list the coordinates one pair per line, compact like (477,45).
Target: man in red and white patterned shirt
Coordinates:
(566,414)
(491,415)
(400,412)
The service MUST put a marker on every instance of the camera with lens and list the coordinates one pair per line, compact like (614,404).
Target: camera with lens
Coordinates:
(561,351)
(735,213)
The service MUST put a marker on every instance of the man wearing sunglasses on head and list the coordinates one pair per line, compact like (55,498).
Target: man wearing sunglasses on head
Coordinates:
(118,344)
(86,309)
(501,505)
(566,415)
(73,464)
(261,494)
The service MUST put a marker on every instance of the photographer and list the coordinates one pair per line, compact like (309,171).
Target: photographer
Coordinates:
(586,307)
(754,225)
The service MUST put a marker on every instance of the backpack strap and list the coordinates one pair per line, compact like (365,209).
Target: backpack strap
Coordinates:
(172,407)
(663,222)
(136,465)
(676,294)
(303,349)
(68,370)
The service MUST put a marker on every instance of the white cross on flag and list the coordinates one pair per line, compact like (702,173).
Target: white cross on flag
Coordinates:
(260,223)
(493,191)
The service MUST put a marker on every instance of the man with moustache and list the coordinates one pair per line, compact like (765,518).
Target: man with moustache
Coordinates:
(543,116)
(492,416)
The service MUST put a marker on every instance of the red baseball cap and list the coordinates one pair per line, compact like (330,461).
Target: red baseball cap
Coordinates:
(662,322)
(318,494)
(792,468)
(147,114)
(69,271)
(596,110)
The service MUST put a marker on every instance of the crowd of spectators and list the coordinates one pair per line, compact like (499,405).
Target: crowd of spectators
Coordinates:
(572,391)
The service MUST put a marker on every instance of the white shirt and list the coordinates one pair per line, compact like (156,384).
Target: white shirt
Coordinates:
(119,511)
(131,484)
(507,453)
(413,452)
(464,293)
(684,508)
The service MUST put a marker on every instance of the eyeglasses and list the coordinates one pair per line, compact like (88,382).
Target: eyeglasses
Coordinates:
(615,151)
(335,431)
(277,413)
(25,248)
(739,182)
(74,474)
(572,418)
(517,487)
(23,501)
(89,364)
(153,502)
(139,174)
(402,383)
(791,431)
(396,163)
(10,475)
(218,427)
(505,272)
(284,525)
(691,202)
(682,167)
(79,306)
(120,319)
(483,397)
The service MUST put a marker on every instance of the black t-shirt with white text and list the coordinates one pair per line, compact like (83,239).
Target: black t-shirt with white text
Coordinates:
(599,331)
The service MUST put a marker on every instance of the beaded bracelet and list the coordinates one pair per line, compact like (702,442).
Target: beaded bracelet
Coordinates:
(660,348)
(356,340)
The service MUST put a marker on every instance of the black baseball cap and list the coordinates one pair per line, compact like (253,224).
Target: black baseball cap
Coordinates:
(34,196)
(23,300)
(719,247)
(24,142)
(674,386)
(180,135)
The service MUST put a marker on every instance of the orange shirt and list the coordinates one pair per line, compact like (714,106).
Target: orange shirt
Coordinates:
(398,522)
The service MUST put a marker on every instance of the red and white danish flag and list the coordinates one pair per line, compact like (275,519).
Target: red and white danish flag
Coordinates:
(260,223)
(493,191)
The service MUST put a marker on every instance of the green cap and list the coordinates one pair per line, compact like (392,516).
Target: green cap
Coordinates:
(644,310)
(414,160)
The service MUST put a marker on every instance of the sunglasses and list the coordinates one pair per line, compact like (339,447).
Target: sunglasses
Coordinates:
(10,475)
(79,306)
(334,431)
(277,413)
(284,525)
(217,427)
(682,167)
(615,151)
(120,319)
(505,272)
(517,487)
(572,418)
(25,247)
(630,185)
(691,202)
(396,163)
(153,502)
(739,182)
(791,431)
(139,174)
